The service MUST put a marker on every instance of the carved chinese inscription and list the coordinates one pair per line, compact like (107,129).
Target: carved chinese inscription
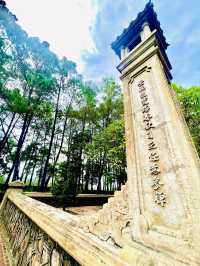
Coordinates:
(153,156)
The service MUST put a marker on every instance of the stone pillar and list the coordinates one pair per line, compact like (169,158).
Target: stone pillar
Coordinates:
(124,52)
(163,165)
(146,32)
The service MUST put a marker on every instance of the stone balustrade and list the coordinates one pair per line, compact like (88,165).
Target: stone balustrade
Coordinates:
(43,235)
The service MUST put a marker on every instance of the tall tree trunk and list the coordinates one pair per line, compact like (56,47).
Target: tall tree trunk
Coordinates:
(43,156)
(43,179)
(6,133)
(81,152)
(32,173)
(26,174)
(64,129)
(62,140)
(15,167)
(24,168)
(27,161)
(87,176)
(101,170)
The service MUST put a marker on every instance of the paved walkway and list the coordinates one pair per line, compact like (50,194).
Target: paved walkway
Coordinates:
(3,256)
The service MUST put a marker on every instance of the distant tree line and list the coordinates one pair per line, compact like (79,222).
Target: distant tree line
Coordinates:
(55,129)
(189,99)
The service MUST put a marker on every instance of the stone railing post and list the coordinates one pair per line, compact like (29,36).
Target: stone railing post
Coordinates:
(13,186)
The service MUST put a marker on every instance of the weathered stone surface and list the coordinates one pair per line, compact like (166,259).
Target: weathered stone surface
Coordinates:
(163,166)
(112,223)
(4,252)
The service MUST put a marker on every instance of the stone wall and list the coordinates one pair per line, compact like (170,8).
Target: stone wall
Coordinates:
(43,235)
(30,245)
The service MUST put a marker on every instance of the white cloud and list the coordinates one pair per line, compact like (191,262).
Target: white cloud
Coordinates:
(65,24)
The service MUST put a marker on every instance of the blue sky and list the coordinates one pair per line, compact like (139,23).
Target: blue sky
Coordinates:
(83,30)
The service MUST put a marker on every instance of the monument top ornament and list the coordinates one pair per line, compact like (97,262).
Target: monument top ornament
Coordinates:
(131,36)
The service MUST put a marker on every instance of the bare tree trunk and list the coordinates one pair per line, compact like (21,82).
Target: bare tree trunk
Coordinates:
(32,173)
(24,168)
(15,167)
(63,132)
(6,133)
(45,171)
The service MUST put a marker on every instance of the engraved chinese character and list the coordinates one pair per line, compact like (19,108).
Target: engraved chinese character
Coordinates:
(152,146)
(150,134)
(142,89)
(160,198)
(149,125)
(146,108)
(154,157)
(143,95)
(144,100)
(147,117)
(141,83)
(156,183)
(154,169)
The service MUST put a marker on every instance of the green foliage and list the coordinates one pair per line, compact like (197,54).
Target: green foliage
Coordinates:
(41,84)
(189,99)
(110,142)
(64,186)
(66,66)
(2,179)
(5,60)
(14,101)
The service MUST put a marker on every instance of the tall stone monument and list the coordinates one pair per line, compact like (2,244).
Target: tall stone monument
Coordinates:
(155,218)
(163,165)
